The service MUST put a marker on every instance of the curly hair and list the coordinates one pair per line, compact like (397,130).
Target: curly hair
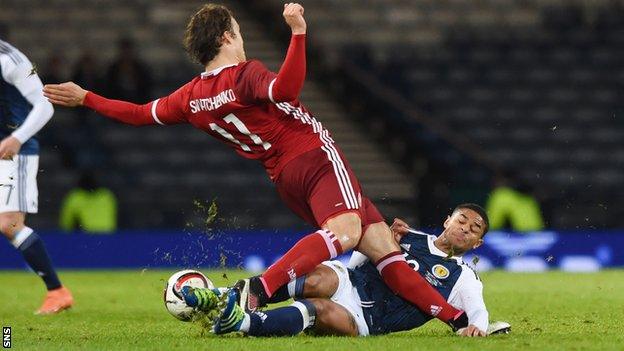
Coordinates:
(204,32)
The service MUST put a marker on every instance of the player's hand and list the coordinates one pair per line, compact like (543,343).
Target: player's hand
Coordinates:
(67,94)
(471,331)
(293,14)
(399,229)
(9,147)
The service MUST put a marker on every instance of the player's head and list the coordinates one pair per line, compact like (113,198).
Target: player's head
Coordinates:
(465,228)
(212,31)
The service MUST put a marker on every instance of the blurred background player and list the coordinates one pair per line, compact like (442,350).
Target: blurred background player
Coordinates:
(23,112)
(89,207)
(514,205)
(258,113)
(335,300)
(128,77)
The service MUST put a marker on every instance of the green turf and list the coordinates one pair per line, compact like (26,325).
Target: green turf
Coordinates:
(118,310)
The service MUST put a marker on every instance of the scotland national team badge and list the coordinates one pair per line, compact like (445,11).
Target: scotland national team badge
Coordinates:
(440,272)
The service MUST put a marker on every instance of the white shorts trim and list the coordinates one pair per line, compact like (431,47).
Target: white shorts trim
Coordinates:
(18,184)
(347,296)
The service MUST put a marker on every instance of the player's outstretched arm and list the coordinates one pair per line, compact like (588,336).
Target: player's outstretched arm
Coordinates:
(70,94)
(162,111)
(289,81)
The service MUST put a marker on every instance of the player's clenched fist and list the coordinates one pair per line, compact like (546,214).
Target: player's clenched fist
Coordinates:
(293,14)
(67,94)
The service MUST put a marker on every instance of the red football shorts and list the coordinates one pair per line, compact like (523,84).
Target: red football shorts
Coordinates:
(319,184)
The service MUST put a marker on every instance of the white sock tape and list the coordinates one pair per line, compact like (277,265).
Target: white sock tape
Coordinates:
(304,313)
(21,236)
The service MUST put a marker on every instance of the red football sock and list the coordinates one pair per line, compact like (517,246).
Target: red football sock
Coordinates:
(410,285)
(307,253)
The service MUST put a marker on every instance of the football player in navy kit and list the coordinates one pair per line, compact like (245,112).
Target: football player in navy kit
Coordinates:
(354,301)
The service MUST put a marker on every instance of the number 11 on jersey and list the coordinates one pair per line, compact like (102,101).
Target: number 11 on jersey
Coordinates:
(231,118)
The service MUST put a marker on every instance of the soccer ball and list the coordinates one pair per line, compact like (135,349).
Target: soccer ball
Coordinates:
(174,302)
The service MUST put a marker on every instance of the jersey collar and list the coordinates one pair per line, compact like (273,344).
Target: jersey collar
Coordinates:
(435,251)
(217,70)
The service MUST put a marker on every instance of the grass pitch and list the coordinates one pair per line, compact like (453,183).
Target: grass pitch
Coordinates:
(119,310)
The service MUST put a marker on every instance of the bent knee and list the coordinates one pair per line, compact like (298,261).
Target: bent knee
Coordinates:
(378,241)
(321,306)
(347,227)
(312,283)
(322,282)
(333,319)
(10,224)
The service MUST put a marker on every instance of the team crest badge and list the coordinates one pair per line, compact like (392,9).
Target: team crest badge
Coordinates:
(440,272)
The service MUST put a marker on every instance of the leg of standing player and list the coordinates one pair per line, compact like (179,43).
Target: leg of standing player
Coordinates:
(20,196)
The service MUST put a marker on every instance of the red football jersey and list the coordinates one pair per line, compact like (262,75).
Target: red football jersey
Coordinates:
(234,104)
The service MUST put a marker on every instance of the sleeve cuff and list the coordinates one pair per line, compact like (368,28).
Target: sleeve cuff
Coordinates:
(271,90)
(89,100)
(17,135)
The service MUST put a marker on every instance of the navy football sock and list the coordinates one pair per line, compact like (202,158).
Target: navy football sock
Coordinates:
(293,289)
(283,321)
(280,295)
(35,254)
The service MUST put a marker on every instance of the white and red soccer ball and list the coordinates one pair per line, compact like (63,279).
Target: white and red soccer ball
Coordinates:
(174,302)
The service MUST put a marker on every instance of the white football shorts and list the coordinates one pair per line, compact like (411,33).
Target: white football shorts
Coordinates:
(18,184)
(347,296)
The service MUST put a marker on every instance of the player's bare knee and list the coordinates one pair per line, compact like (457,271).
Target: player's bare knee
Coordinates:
(348,229)
(378,241)
(353,240)
(333,319)
(322,282)
(10,225)
(312,284)
(319,306)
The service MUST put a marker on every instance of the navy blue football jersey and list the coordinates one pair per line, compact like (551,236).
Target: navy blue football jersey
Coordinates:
(386,312)
(14,106)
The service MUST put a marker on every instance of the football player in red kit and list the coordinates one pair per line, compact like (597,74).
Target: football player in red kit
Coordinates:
(257,112)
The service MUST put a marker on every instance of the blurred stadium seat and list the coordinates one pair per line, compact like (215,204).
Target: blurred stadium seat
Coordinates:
(532,85)
(157,173)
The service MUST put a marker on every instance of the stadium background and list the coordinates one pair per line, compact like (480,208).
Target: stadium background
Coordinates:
(430,100)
